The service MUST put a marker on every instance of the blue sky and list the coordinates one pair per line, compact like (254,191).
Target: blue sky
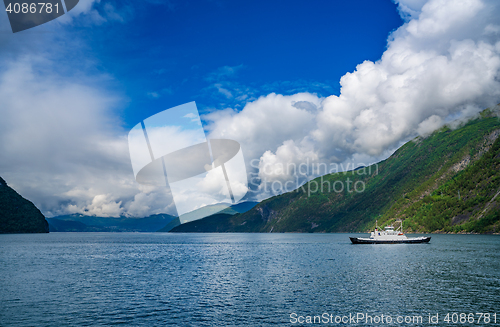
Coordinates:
(167,53)
(336,82)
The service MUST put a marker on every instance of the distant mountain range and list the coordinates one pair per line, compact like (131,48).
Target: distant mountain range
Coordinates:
(446,182)
(153,223)
(18,215)
(82,223)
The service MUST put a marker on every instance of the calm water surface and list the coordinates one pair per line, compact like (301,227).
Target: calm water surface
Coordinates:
(158,279)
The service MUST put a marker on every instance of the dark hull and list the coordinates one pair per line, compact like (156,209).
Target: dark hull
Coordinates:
(357,240)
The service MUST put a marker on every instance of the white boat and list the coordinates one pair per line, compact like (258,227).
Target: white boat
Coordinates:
(389,236)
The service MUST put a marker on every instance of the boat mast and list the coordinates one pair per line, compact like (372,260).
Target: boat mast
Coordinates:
(400,225)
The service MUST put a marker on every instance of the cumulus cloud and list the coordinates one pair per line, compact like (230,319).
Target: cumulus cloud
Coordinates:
(410,9)
(67,152)
(63,148)
(442,64)
(429,73)
(266,122)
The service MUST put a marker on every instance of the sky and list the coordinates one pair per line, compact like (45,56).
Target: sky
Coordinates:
(337,82)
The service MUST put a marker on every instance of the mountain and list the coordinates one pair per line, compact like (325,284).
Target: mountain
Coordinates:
(446,182)
(219,219)
(210,210)
(18,215)
(82,223)
(199,213)
(58,225)
(217,223)
(243,206)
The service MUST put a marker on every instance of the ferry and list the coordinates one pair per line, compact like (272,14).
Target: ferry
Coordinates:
(389,236)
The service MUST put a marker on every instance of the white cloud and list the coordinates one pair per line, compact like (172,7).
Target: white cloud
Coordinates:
(223,91)
(159,94)
(91,12)
(62,146)
(153,95)
(442,64)
(265,123)
(429,125)
(285,164)
(410,9)
(224,73)
(441,17)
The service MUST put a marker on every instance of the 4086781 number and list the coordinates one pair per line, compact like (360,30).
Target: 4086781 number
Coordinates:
(464,318)
(32,8)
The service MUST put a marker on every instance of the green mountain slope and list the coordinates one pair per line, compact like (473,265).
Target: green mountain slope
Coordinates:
(465,200)
(218,223)
(18,215)
(221,220)
(407,185)
(210,210)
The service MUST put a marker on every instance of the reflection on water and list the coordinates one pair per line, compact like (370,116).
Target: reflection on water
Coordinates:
(238,279)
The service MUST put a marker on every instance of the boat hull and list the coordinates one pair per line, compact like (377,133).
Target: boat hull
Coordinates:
(360,240)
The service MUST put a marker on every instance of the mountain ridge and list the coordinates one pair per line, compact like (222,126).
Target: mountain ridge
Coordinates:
(402,186)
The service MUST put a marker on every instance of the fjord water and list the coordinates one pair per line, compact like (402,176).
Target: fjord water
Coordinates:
(148,279)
